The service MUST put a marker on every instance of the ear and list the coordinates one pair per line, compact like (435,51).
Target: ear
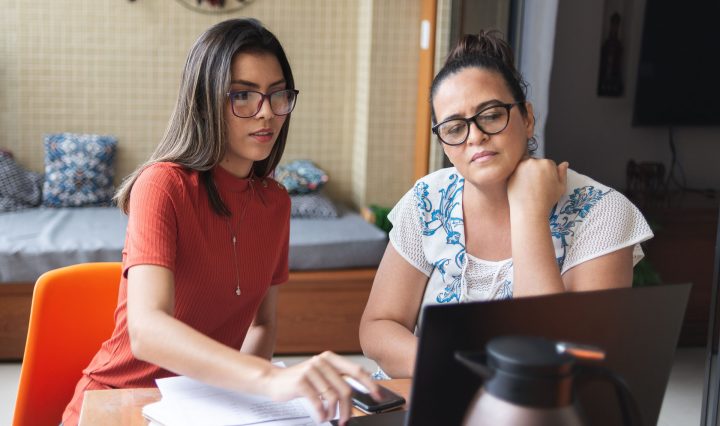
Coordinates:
(529,120)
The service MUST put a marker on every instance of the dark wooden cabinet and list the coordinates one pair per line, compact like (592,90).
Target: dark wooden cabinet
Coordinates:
(683,250)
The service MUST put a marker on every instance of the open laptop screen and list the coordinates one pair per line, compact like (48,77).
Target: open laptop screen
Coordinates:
(638,329)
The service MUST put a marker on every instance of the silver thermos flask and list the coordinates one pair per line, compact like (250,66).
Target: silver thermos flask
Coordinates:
(532,381)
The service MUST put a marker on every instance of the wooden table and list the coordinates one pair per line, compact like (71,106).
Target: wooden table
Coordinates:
(123,407)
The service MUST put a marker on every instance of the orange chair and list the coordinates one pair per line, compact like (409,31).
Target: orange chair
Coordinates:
(72,314)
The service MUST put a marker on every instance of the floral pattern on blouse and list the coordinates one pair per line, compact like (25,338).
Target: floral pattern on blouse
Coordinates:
(441,221)
(564,220)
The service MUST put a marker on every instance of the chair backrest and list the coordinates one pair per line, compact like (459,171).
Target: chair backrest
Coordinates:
(72,314)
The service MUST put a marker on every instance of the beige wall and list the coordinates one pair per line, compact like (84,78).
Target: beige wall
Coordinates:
(113,67)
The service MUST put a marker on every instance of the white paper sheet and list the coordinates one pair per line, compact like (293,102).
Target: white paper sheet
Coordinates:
(187,402)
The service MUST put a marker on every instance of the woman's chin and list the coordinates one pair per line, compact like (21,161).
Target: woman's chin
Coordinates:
(488,177)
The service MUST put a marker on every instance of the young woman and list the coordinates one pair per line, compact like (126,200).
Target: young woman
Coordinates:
(499,223)
(207,237)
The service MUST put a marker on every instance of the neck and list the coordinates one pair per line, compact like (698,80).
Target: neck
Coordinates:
(242,171)
(486,199)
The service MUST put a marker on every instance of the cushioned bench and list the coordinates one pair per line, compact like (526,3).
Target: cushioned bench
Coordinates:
(332,264)
(36,240)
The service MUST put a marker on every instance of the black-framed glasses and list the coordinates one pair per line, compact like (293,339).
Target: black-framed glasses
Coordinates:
(247,103)
(491,121)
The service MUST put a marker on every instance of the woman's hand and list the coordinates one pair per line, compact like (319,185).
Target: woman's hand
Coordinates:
(320,380)
(536,185)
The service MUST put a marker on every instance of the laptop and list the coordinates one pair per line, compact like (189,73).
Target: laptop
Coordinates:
(638,328)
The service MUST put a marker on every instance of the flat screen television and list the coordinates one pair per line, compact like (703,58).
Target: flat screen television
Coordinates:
(678,78)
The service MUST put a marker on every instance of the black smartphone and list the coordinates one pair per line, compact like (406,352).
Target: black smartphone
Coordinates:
(389,401)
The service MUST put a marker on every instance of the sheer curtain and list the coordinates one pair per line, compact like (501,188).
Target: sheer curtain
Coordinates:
(536,56)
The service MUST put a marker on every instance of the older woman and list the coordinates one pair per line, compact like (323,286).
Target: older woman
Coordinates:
(499,223)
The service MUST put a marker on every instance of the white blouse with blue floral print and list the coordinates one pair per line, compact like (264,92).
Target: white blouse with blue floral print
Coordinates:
(589,220)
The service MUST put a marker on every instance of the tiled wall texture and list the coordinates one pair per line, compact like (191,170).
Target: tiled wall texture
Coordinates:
(113,67)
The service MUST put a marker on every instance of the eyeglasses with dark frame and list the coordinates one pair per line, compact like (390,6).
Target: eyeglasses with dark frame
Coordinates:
(247,103)
(491,121)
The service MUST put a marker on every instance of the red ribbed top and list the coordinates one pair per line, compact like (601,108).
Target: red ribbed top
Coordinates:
(172,224)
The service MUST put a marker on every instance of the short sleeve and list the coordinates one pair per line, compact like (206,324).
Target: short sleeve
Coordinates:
(152,221)
(612,224)
(406,233)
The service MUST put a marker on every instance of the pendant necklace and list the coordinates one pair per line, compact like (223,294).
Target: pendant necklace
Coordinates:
(233,236)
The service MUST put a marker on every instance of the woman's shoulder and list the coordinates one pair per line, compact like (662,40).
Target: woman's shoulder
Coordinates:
(583,193)
(441,175)
(447,179)
(576,180)
(432,190)
(584,187)
(168,175)
(167,168)
(274,190)
(273,186)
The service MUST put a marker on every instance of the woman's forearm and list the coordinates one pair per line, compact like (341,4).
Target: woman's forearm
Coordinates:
(260,338)
(157,337)
(162,340)
(386,327)
(391,345)
(535,268)
(260,341)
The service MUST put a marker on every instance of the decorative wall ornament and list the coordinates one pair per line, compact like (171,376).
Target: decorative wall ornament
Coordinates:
(214,6)
(611,75)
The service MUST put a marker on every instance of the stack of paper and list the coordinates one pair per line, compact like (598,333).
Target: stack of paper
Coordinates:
(187,402)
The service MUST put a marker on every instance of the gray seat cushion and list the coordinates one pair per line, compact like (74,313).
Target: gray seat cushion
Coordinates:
(36,240)
(347,241)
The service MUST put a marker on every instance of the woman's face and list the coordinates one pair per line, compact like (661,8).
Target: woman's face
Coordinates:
(483,160)
(252,139)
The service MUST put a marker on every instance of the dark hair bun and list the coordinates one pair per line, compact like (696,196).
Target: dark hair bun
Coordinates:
(486,43)
(485,51)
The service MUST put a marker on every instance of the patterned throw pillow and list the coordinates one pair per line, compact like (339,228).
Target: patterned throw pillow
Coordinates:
(79,170)
(301,176)
(313,205)
(19,188)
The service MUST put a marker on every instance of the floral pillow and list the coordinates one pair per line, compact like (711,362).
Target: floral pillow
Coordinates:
(301,176)
(79,170)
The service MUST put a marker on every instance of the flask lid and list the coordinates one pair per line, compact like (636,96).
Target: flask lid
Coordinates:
(528,356)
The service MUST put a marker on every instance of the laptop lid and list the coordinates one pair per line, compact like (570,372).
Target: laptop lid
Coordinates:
(638,328)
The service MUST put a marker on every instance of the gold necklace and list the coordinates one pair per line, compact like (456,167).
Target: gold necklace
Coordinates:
(233,236)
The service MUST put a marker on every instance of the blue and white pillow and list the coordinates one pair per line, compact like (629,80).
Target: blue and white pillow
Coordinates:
(79,170)
(301,176)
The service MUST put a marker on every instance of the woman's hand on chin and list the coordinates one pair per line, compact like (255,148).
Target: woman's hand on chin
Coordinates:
(536,185)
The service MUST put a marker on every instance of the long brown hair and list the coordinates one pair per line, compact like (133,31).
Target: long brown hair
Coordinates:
(195,135)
